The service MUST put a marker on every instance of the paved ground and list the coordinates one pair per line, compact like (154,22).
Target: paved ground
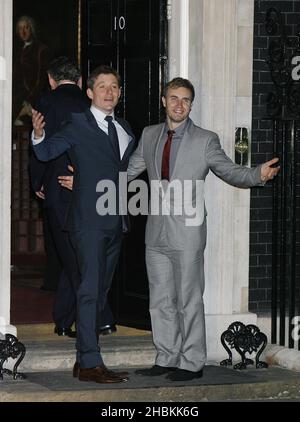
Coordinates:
(217,384)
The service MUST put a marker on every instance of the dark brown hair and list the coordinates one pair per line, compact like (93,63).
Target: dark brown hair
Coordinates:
(179,83)
(63,68)
(102,69)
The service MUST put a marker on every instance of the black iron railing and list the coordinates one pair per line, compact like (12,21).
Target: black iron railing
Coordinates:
(283,108)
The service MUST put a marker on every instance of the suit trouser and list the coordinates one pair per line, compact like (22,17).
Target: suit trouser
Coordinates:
(53,265)
(176,283)
(97,253)
(64,308)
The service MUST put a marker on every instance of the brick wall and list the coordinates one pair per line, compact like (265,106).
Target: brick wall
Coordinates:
(262,150)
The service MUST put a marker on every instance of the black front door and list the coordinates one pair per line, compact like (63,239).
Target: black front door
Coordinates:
(131,36)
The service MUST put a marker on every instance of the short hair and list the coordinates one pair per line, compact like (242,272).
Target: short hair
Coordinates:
(63,68)
(102,69)
(179,83)
(31,22)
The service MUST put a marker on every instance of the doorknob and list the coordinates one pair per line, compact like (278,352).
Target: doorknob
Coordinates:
(241,145)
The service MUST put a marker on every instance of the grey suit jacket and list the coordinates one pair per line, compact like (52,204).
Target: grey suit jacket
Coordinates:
(200,151)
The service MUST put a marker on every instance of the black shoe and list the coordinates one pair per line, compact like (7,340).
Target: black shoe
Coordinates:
(155,371)
(107,329)
(61,331)
(184,375)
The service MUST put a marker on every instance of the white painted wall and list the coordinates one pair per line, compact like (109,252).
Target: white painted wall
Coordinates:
(5,162)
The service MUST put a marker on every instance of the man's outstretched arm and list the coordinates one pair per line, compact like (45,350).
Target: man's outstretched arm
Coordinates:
(38,123)
(53,147)
(235,174)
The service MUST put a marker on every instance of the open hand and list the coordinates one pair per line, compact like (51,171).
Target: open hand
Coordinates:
(40,194)
(67,181)
(38,124)
(268,172)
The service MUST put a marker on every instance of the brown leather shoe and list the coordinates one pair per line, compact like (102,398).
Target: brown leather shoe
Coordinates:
(100,375)
(121,374)
(117,373)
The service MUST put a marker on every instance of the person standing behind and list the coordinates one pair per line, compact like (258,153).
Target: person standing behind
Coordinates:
(66,97)
(178,150)
(99,145)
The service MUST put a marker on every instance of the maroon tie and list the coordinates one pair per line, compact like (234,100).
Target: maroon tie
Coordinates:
(166,156)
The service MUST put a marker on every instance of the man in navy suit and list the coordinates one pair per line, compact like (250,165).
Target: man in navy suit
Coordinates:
(56,106)
(96,238)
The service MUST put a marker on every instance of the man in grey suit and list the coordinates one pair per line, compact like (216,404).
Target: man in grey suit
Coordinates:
(174,153)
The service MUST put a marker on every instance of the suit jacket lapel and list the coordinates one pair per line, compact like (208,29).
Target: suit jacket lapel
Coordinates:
(93,123)
(160,131)
(131,143)
(91,119)
(184,144)
(129,149)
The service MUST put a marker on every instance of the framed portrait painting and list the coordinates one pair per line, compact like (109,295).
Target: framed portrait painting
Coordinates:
(43,30)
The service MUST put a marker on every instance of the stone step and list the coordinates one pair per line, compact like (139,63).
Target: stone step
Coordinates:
(59,354)
(217,384)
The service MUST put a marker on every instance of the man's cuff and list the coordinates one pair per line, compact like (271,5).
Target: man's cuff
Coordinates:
(36,141)
(261,182)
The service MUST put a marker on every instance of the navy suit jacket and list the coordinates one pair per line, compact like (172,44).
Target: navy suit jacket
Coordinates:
(95,159)
(56,107)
